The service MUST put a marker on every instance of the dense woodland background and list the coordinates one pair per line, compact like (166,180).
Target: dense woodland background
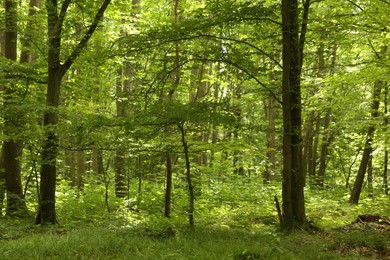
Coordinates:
(141,110)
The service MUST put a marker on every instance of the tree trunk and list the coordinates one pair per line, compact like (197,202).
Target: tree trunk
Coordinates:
(123,89)
(326,141)
(81,169)
(370,177)
(167,129)
(56,71)
(355,195)
(386,155)
(293,176)
(269,173)
(308,143)
(120,164)
(97,161)
(314,155)
(12,146)
(26,56)
(168,187)
(191,197)
(385,174)
(2,182)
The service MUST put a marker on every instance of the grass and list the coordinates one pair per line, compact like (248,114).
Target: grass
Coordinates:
(26,242)
(241,226)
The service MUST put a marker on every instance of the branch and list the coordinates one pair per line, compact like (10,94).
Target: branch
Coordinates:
(248,73)
(356,5)
(302,38)
(385,1)
(244,42)
(76,52)
(147,46)
(61,17)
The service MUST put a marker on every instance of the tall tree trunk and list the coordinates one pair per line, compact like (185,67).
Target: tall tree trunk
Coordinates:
(314,155)
(191,196)
(385,174)
(293,176)
(97,161)
(355,195)
(269,173)
(326,141)
(12,146)
(2,182)
(26,56)
(327,134)
(56,70)
(175,84)
(370,177)
(123,89)
(81,169)
(386,155)
(70,162)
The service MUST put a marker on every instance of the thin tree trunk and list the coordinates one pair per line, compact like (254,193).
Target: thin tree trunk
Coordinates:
(326,141)
(168,187)
(26,56)
(2,182)
(191,197)
(269,173)
(97,161)
(175,84)
(81,169)
(313,157)
(385,174)
(308,143)
(370,177)
(71,166)
(355,195)
(386,155)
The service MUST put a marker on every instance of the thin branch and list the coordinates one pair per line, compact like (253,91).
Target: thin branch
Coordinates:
(209,36)
(373,49)
(302,38)
(61,17)
(244,42)
(356,5)
(76,52)
(248,73)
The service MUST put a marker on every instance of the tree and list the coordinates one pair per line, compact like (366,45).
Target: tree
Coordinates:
(175,84)
(56,71)
(293,176)
(357,187)
(12,147)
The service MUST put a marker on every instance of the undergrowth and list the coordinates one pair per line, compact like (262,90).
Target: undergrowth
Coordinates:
(230,224)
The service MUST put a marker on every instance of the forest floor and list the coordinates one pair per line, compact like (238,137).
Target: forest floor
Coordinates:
(359,240)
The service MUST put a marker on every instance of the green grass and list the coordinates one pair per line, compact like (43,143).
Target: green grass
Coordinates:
(28,242)
(231,223)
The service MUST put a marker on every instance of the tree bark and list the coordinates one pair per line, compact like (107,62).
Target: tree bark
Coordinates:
(175,84)
(2,182)
(355,195)
(56,70)
(293,176)
(269,173)
(12,146)
(191,196)
(326,141)
(386,154)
